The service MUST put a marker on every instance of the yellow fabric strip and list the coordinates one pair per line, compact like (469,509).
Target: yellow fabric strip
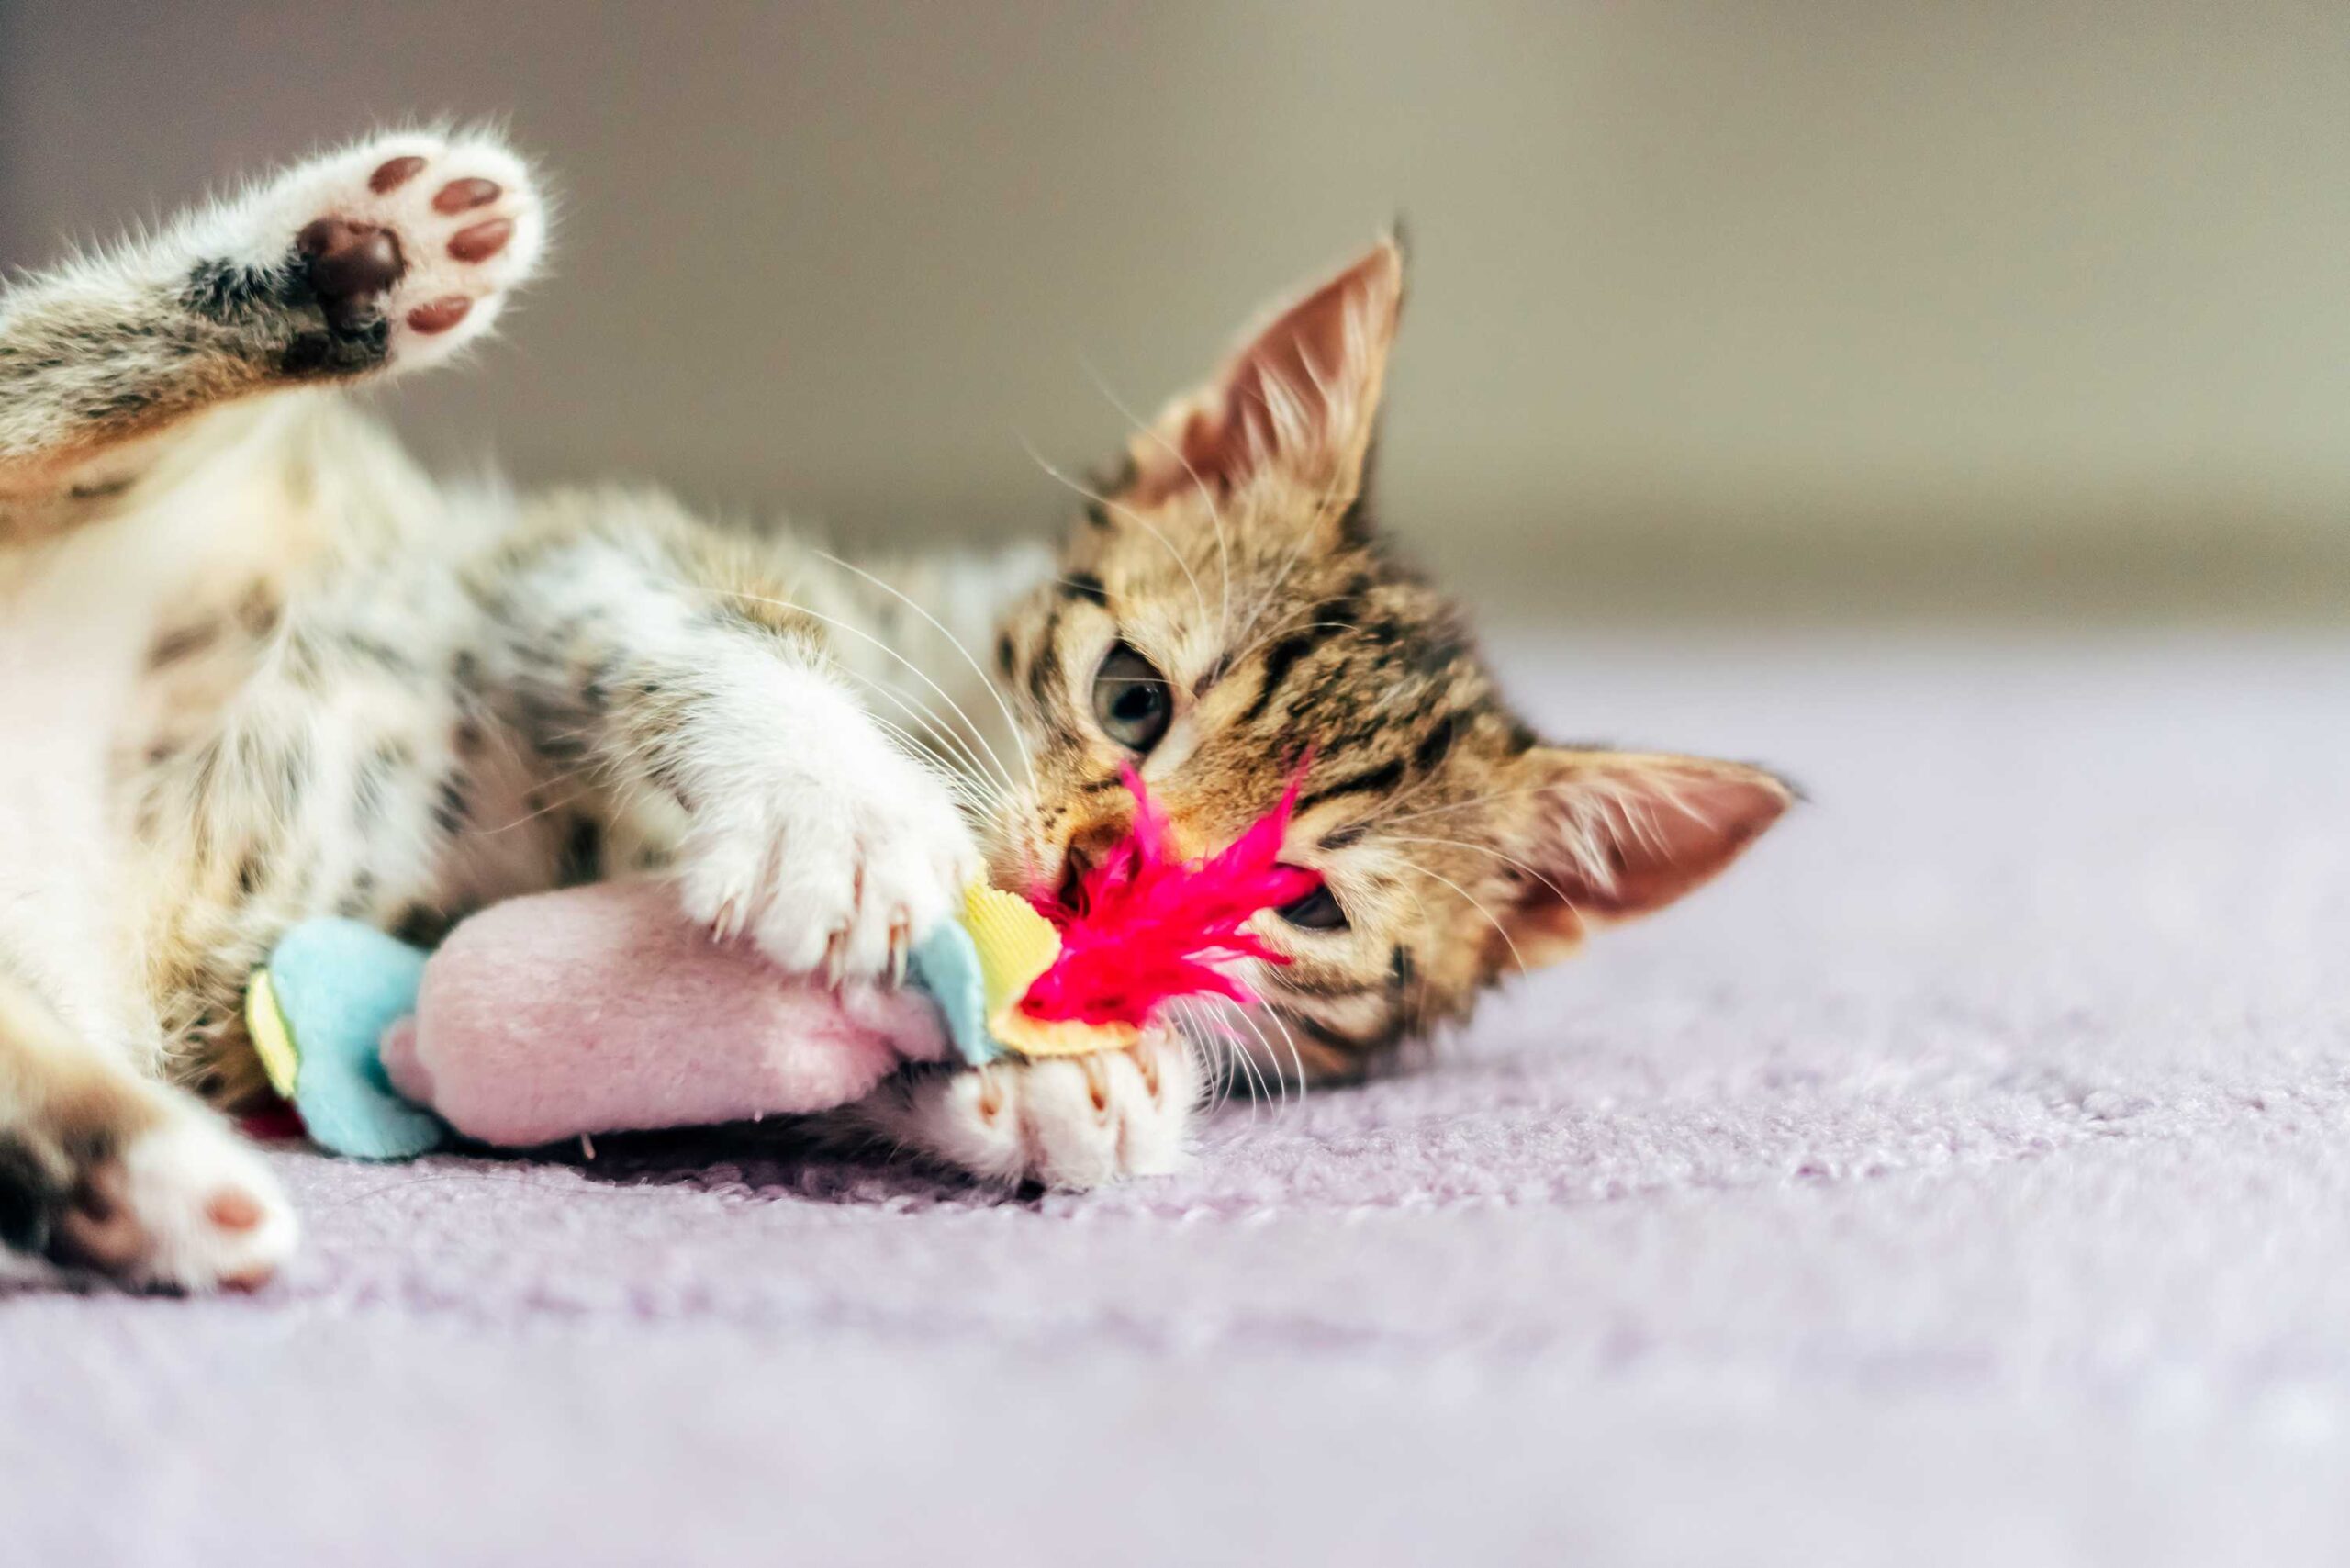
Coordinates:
(1015,944)
(273,1040)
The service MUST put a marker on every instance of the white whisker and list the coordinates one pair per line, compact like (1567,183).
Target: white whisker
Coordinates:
(1296,1057)
(1198,595)
(1216,515)
(919,673)
(1286,627)
(1209,1039)
(1305,532)
(1483,849)
(1516,956)
(968,765)
(1264,1068)
(1251,1016)
(956,643)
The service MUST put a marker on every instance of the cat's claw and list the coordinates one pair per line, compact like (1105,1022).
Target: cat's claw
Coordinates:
(902,938)
(835,852)
(1062,1123)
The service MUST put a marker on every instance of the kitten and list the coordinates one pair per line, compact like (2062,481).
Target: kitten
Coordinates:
(255,667)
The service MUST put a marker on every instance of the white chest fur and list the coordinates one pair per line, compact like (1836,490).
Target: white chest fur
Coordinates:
(77,616)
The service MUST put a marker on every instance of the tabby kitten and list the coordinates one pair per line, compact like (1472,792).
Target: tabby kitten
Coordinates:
(255,667)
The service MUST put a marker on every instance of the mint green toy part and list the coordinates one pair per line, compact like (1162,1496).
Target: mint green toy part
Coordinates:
(336,986)
(947,965)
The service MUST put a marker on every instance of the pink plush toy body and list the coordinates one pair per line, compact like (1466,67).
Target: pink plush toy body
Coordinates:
(596,1009)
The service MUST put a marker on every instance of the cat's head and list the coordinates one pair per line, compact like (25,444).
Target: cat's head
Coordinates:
(1227,614)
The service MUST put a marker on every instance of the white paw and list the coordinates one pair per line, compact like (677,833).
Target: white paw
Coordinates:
(429,234)
(1070,1122)
(186,1206)
(835,850)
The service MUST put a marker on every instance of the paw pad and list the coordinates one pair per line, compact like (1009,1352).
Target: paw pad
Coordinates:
(98,1228)
(232,1209)
(463,195)
(349,264)
(414,243)
(441,314)
(482,240)
(394,172)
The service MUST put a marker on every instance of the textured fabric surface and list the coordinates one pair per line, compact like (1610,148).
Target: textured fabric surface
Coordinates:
(543,1018)
(1966,1179)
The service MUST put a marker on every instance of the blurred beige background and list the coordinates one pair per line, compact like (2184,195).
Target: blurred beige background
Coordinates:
(1751,310)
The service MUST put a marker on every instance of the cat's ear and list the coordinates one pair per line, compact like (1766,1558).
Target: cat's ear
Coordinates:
(1604,836)
(1300,401)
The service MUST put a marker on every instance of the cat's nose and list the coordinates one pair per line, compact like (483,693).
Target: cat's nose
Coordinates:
(1087,848)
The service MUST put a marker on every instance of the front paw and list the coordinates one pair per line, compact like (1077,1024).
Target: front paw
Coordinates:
(835,856)
(1070,1123)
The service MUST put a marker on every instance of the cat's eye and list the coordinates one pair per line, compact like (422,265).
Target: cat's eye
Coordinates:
(1131,701)
(1318,910)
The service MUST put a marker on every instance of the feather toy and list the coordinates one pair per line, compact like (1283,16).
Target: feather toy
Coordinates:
(1147,925)
(600,1009)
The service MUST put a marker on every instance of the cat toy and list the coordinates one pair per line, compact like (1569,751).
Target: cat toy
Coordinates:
(603,1009)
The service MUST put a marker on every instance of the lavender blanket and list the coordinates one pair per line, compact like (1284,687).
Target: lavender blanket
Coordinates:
(1967,1179)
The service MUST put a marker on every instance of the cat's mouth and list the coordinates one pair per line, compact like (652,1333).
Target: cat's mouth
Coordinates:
(1068,898)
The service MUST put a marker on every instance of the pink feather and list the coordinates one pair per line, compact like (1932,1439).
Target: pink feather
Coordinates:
(1147,925)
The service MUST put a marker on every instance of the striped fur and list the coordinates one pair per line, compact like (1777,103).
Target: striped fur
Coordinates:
(256,667)
(1236,552)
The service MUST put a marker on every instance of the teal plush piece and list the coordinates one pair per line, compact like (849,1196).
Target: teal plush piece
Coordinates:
(338,985)
(947,965)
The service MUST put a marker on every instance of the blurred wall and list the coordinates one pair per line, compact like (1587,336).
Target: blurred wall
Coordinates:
(1775,308)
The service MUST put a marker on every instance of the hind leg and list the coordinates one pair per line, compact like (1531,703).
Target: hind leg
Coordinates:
(386,256)
(105,1169)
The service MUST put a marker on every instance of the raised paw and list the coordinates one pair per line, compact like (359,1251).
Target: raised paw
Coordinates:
(174,1201)
(835,851)
(1070,1123)
(408,247)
